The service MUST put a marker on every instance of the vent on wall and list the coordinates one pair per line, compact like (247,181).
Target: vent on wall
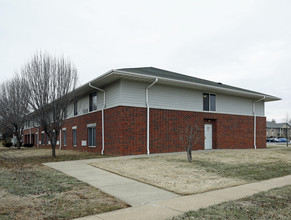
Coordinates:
(85,110)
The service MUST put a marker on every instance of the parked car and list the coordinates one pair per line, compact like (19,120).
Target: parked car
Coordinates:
(275,140)
(282,139)
(269,139)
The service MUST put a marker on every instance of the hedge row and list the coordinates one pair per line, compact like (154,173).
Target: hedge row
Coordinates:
(9,144)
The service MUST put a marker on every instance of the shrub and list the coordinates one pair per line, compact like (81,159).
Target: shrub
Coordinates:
(6,143)
(27,145)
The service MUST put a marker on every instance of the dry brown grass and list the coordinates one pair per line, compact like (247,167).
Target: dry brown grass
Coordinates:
(273,204)
(29,190)
(209,169)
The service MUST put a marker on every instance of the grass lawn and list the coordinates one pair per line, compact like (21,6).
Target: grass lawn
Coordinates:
(274,204)
(209,170)
(30,190)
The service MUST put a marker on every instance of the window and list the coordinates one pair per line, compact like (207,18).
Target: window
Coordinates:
(205,102)
(36,136)
(64,138)
(212,102)
(74,137)
(92,136)
(42,138)
(76,107)
(209,102)
(93,101)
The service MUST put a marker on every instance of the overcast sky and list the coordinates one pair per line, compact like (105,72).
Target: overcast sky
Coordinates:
(244,43)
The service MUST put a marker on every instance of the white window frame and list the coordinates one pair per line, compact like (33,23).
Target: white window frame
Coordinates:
(91,127)
(209,102)
(64,136)
(42,138)
(75,108)
(74,136)
(91,101)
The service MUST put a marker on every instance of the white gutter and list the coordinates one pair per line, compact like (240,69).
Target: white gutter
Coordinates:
(104,103)
(148,115)
(255,121)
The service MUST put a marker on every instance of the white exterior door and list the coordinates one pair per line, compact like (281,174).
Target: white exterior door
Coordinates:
(208,136)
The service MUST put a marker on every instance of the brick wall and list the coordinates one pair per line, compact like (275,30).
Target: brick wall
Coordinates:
(125,130)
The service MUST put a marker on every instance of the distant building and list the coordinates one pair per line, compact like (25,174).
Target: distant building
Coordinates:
(278,130)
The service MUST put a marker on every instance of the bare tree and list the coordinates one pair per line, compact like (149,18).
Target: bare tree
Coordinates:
(189,135)
(287,124)
(13,107)
(6,133)
(50,81)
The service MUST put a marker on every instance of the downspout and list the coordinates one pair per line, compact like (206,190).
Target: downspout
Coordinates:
(148,115)
(255,121)
(60,142)
(37,137)
(104,103)
(30,135)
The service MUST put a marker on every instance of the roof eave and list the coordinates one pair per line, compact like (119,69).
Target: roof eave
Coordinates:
(268,98)
(101,81)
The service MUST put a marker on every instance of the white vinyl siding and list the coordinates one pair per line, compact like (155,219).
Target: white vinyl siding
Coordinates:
(233,104)
(160,96)
(238,105)
(112,100)
(132,93)
(260,108)
(112,95)
(177,98)
(166,97)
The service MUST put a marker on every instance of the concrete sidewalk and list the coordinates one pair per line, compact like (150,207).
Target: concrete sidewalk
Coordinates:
(176,206)
(150,202)
(130,191)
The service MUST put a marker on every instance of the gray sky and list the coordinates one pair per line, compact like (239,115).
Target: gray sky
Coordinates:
(244,43)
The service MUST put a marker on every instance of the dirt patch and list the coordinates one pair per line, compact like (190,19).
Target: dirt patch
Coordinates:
(208,171)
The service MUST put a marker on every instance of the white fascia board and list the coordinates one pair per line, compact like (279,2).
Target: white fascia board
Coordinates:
(96,79)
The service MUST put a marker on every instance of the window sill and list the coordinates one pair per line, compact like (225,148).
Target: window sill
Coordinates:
(95,110)
(92,146)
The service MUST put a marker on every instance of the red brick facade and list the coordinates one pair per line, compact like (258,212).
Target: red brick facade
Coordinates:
(125,130)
